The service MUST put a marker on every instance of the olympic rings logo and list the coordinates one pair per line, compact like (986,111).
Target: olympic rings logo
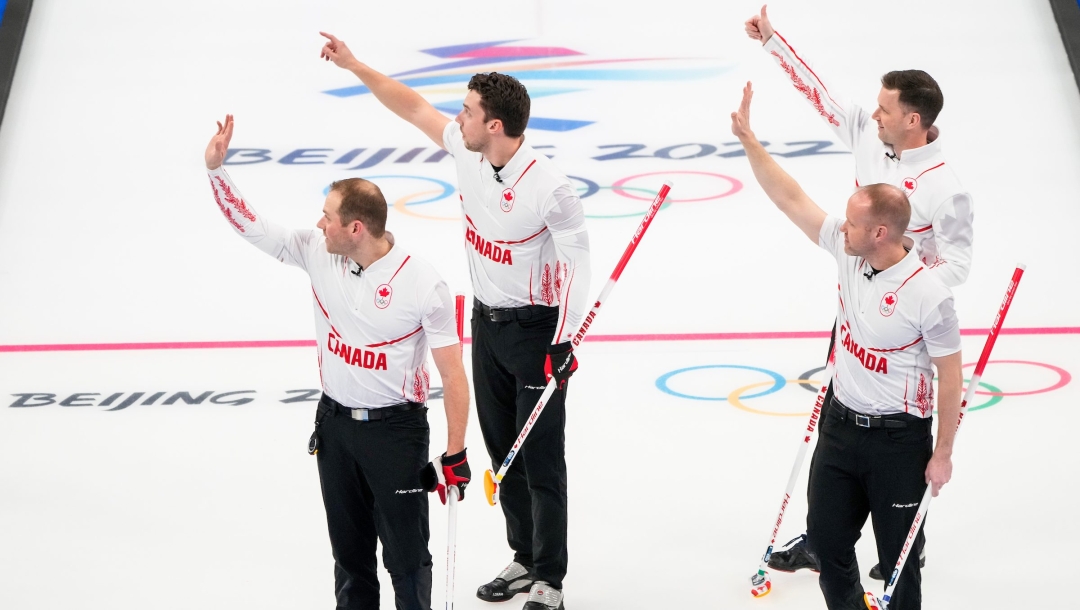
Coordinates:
(776,382)
(587,189)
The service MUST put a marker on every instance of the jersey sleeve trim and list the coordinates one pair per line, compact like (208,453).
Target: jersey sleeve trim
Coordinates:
(504,242)
(895,349)
(398,340)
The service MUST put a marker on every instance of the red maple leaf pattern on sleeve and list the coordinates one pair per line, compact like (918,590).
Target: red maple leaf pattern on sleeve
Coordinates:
(545,286)
(236,202)
(560,275)
(420,385)
(811,93)
(224,210)
(889,299)
(924,396)
(383,292)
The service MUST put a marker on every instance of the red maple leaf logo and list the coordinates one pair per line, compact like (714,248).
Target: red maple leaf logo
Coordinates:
(384,292)
(508,195)
(908,184)
(889,300)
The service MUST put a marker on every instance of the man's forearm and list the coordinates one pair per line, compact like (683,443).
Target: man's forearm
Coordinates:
(393,94)
(780,187)
(950,386)
(456,403)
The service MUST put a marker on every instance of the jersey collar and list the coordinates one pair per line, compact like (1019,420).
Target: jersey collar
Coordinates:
(390,260)
(901,270)
(517,164)
(913,156)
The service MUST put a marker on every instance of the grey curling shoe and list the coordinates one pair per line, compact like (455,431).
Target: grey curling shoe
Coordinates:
(514,579)
(543,596)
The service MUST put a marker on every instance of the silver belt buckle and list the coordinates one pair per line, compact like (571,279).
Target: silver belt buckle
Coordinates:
(862,420)
(360,414)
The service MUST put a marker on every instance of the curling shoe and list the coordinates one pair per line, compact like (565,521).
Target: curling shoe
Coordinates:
(795,556)
(514,579)
(875,572)
(543,596)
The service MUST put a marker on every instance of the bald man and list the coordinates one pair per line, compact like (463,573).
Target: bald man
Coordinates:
(895,325)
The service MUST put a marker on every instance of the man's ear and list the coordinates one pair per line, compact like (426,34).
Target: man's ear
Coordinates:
(915,120)
(357,227)
(495,126)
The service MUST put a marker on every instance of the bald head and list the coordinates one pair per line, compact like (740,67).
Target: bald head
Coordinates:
(361,200)
(889,206)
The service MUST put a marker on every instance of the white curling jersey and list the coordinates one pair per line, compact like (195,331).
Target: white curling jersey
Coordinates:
(888,327)
(942,212)
(373,330)
(525,236)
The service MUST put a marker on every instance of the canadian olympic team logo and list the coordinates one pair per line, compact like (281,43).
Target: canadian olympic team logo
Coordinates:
(382,296)
(507,201)
(909,185)
(888,304)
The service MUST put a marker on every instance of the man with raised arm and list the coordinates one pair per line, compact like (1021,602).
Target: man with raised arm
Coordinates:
(896,144)
(377,311)
(528,252)
(895,326)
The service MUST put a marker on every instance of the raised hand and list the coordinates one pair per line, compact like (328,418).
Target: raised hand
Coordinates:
(740,119)
(219,144)
(759,27)
(336,51)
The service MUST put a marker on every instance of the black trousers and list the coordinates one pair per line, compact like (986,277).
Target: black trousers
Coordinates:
(821,422)
(858,472)
(370,476)
(508,379)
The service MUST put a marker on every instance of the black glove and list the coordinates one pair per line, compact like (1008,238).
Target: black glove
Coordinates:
(560,363)
(444,471)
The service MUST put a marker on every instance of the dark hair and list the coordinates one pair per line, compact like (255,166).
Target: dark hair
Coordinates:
(889,206)
(919,92)
(361,200)
(504,98)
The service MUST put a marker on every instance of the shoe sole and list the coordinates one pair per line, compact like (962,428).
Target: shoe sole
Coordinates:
(509,596)
(922,566)
(789,571)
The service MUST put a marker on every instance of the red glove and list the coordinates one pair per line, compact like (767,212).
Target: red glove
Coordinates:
(446,471)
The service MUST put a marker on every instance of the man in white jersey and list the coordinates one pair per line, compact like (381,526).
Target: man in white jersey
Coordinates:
(377,310)
(896,144)
(528,252)
(895,318)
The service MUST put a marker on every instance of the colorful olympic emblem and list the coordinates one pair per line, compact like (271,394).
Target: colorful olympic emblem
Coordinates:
(702,186)
(777,382)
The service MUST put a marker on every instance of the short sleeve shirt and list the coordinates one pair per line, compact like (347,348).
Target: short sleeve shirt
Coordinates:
(888,328)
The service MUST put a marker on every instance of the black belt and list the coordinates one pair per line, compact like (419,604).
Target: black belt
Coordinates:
(868,421)
(509,314)
(368,414)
